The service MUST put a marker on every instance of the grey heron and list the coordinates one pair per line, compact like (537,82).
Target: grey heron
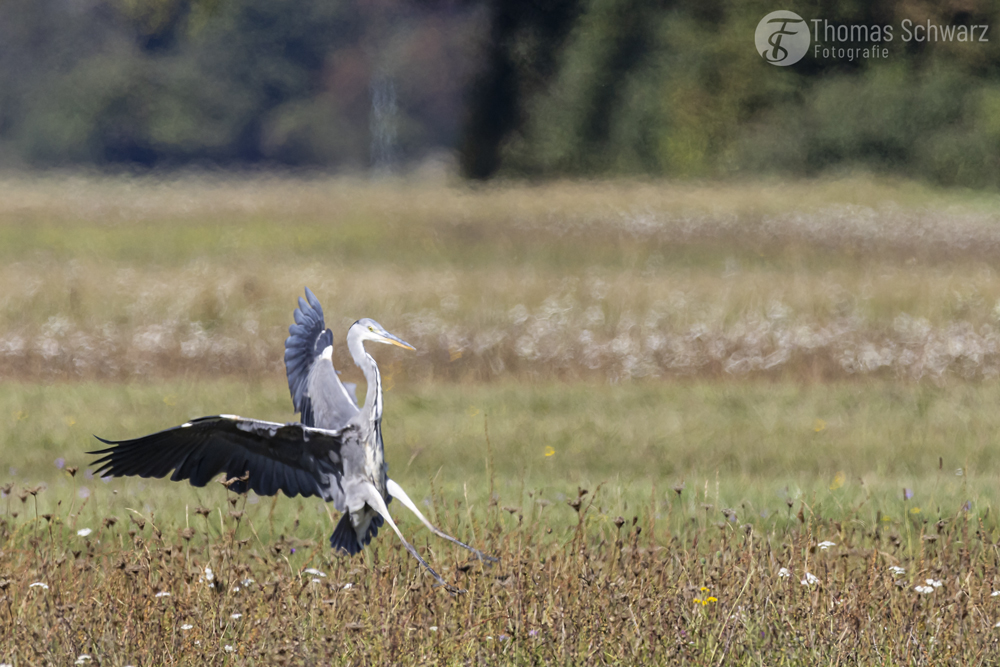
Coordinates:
(335,453)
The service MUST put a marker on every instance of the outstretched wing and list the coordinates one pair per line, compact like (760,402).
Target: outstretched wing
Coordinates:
(317,392)
(291,458)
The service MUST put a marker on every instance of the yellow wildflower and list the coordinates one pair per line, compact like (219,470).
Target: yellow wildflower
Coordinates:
(838,480)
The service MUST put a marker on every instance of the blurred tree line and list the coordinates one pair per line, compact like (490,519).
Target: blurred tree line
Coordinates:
(676,88)
(230,82)
(516,87)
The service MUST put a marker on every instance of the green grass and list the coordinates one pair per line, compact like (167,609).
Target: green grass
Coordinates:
(753,438)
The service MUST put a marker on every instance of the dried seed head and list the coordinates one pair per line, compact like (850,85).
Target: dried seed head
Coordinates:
(232,480)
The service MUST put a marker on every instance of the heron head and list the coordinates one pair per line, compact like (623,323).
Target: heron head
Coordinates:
(373,331)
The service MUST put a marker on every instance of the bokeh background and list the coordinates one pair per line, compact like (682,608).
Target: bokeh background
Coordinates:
(558,87)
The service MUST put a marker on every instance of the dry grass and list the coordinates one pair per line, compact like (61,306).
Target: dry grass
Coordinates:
(124,278)
(137,590)
(719,485)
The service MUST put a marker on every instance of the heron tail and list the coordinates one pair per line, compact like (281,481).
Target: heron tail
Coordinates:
(344,538)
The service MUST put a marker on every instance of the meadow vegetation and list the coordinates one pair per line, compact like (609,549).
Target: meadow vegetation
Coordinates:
(695,422)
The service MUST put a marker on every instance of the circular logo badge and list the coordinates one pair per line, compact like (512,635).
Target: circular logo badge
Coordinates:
(782,38)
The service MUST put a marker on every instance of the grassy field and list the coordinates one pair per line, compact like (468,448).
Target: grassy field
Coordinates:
(656,403)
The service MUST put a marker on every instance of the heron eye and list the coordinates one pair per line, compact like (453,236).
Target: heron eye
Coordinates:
(371,328)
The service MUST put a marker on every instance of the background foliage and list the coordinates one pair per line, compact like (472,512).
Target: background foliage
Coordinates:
(519,88)
(168,83)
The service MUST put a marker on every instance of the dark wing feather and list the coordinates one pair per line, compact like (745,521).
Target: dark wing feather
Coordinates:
(307,339)
(317,392)
(292,458)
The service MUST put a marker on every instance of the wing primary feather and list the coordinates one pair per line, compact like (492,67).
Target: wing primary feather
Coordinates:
(286,457)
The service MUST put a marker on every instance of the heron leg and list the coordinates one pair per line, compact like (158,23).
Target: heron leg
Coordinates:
(374,499)
(396,491)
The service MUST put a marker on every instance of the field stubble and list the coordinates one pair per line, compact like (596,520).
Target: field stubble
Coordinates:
(230,586)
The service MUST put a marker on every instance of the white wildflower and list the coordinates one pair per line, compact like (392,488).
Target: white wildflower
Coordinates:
(229,649)
(923,590)
(810,579)
(995,594)
(934,582)
(163,594)
(897,571)
(826,544)
(348,587)
(186,626)
(83,532)
(237,615)
(433,628)
(83,659)
(247,582)
(784,573)
(313,571)
(39,584)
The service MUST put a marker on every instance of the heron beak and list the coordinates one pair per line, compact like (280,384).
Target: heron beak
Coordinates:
(393,340)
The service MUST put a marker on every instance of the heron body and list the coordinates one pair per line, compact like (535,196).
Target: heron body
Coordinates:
(335,453)
(325,402)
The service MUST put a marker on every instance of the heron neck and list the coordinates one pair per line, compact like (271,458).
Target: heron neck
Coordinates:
(364,361)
